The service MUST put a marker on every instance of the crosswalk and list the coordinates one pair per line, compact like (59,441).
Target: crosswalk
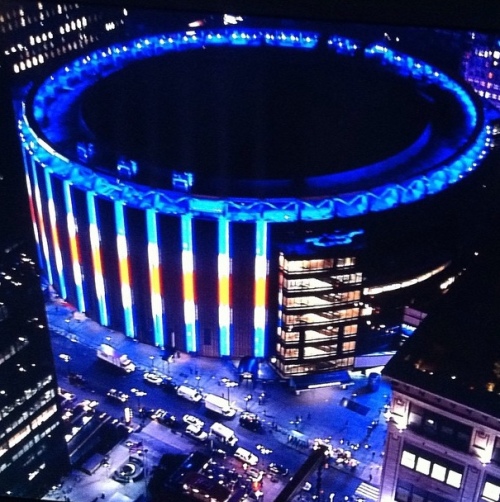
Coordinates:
(367,492)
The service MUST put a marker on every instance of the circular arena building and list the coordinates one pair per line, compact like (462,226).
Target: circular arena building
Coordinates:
(193,189)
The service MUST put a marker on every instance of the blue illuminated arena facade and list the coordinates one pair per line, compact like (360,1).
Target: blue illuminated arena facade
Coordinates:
(194,265)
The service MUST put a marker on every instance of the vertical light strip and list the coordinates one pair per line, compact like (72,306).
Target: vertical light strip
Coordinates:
(260,288)
(55,233)
(154,278)
(41,224)
(95,245)
(73,246)
(188,281)
(32,210)
(124,269)
(224,288)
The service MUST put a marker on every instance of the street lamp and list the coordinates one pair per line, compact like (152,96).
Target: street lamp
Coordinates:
(229,383)
(247,398)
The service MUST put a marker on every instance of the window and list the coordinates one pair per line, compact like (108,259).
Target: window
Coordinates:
(348,347)
(432,465)
(441,429)
(454,479)
(423,466)
(350,329)
(408,459)
(406,492)
(438,472)
(495,457)
(491,489)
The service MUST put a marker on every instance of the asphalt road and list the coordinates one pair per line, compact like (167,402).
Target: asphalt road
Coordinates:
(100,377)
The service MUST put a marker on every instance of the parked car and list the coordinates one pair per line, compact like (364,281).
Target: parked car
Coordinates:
(250,421)
(254,474)
(76,379)
(196,433)
(117,395)
(218,453)
(153,378)
(168,384)
(165,418)
(146,412)
(246,456)
(192,420)
(189,393)
(65,396)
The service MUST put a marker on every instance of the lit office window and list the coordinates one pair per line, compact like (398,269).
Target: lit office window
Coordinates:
(454,479)
(491,491)
(408,459)
(438,472)
(423,466)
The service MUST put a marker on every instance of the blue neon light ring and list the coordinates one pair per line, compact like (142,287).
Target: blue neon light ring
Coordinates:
(68,82)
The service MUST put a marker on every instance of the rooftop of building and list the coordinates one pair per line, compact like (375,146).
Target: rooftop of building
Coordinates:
(262,130)
(455,352)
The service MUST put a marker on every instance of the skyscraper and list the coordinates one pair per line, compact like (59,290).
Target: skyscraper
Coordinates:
(33,453)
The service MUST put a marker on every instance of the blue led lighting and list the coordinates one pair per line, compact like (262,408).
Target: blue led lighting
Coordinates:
(432,175)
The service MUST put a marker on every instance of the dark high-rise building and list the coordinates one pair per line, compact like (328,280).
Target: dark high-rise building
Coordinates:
(33,453)
(443,441)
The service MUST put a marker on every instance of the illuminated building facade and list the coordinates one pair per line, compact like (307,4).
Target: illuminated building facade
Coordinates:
(41,32)
(194,256)
(443,441)
(482,66)
(33,453)
(320,304)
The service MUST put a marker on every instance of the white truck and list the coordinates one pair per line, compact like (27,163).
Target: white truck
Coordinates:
(219,405)
(223,434)
(110,355)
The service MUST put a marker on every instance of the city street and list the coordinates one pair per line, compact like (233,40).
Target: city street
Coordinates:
(292,422)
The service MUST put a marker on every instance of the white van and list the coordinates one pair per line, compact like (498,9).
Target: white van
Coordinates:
(189,393)
(223,433)
(246,456)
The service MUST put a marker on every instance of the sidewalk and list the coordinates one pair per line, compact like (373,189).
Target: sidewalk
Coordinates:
(281,410)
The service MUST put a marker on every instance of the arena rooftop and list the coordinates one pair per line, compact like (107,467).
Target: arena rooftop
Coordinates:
(341,180)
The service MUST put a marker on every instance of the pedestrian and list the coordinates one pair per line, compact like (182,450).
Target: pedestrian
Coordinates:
(309,416)
(370,477)
(373,455)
